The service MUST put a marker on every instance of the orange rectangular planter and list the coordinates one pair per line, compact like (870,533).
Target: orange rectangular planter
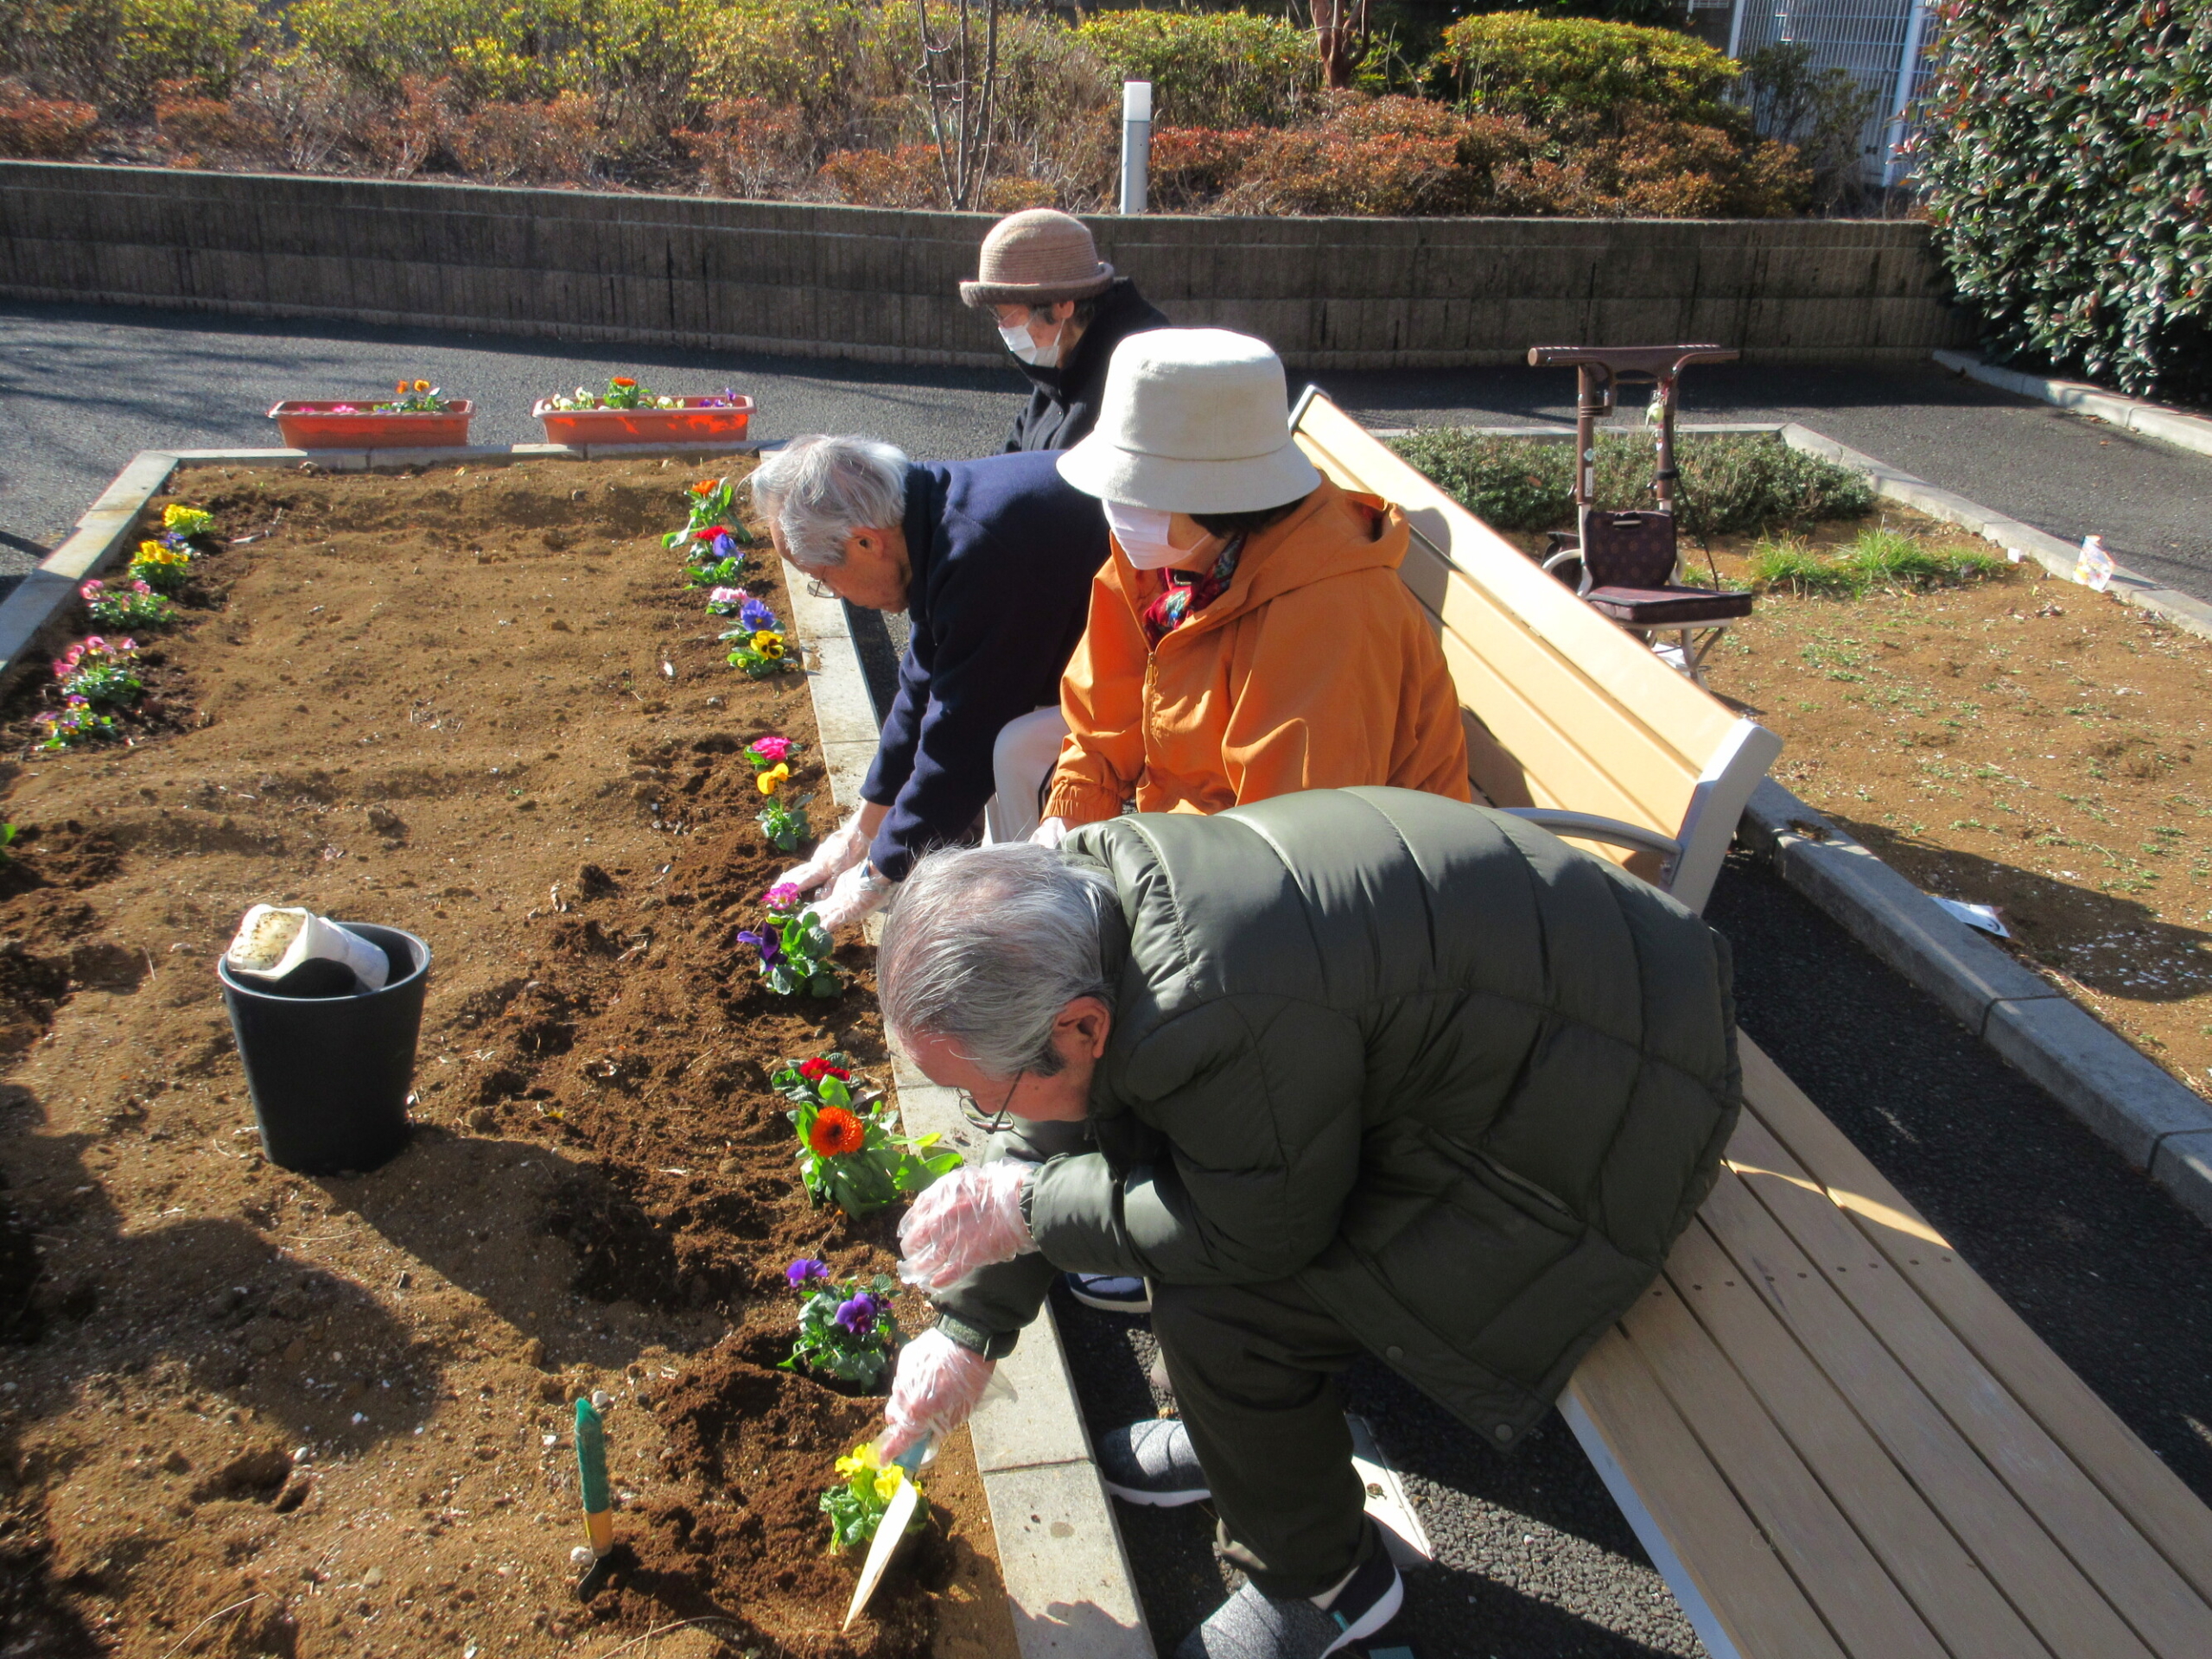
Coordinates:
(319,425)
(723,423)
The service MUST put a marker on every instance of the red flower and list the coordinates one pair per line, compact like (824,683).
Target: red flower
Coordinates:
(818,1068)
(836,1132)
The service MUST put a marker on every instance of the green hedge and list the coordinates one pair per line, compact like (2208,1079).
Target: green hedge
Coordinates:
(2066,158)
(1223,69)
(1515,63)
(1729,483)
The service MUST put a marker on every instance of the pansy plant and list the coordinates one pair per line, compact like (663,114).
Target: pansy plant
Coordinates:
(126,605)
(713,503)
(782,820)
(75,724)
(101,671)
(856,1505)
(794,946)
(845,1329)
(850,1154)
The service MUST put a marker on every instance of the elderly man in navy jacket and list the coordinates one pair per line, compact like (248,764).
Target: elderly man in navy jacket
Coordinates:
(992,561)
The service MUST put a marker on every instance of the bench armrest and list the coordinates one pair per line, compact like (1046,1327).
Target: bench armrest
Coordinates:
(1589,826)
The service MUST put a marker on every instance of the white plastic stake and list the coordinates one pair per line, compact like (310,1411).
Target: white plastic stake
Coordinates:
(1136,143)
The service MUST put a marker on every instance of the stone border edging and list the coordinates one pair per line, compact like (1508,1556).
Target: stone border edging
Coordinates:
(1060,1553)
(2157,1122)
(2161,421)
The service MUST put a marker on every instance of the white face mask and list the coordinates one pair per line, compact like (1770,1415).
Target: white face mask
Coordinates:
(1142,532)
(1018,342)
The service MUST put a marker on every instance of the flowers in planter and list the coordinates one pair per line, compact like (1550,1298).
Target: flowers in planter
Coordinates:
(849,1156)
(847,1331)
(97,670)
(794,946)
(134,606)
(622,392)
(75,724)
(410,398)
(856,1505)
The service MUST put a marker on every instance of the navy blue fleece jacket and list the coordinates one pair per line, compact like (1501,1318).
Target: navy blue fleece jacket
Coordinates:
(1003,552)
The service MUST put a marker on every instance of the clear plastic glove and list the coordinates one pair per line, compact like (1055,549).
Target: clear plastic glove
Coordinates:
(841,849)
(937,1385)
(1050,833)
(966,1220)
(857,894)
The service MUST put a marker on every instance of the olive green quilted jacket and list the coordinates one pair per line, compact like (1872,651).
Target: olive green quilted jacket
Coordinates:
(1462,1082)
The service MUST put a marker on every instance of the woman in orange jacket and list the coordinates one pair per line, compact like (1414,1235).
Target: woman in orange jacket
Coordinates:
(1248,635)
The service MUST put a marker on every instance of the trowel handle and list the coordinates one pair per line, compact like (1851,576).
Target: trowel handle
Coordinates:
(911,1458)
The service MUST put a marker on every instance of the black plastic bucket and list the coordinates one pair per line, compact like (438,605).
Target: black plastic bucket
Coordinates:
(330,1075)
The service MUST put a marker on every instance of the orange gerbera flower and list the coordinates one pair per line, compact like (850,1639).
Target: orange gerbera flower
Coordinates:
(704,487)
(836,1132)
(422,386)
(623,380)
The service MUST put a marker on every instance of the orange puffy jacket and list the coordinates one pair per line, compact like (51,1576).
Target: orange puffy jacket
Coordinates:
(1316,669)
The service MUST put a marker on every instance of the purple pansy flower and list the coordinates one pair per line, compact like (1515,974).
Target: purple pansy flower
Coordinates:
(804,1268)
(724,544)
(756,615)
(767,943)
(858,1316)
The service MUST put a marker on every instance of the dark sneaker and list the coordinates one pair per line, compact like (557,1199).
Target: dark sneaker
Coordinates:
(1249,1625)
(1152,1462)
(1110,1293)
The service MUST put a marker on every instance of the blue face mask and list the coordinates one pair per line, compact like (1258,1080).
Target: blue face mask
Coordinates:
(1018,342)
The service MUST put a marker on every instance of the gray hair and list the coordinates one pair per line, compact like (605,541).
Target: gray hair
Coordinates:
(985,945)
(819,491)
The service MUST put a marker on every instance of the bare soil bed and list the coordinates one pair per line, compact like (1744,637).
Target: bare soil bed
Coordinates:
(247,1412)
(2022,742)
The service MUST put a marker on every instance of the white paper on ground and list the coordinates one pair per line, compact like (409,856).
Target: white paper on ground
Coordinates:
(272,940)
(1984,917)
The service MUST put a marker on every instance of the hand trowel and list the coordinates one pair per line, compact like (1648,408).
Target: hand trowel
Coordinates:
(889,1531)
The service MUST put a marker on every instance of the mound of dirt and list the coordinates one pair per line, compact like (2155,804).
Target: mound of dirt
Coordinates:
(331,1416)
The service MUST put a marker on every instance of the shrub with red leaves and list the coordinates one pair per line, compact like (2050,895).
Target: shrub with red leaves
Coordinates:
(46,129)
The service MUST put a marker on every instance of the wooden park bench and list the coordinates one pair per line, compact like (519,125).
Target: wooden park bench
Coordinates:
(1830,1434)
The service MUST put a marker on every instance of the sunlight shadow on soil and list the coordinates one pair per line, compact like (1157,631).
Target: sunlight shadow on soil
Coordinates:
(2119,946)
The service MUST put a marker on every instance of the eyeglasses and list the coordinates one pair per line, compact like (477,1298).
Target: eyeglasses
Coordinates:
(817,588)
(990,1122)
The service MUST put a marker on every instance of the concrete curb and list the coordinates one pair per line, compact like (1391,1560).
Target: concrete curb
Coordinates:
(29,613)
(2167,424)
(2156,1122)
(1060,1553)
(2184,610)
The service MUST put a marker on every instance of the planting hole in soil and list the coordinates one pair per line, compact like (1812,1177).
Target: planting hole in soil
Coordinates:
(332,1416)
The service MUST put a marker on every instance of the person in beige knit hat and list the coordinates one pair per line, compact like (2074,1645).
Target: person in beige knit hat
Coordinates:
(1061,311)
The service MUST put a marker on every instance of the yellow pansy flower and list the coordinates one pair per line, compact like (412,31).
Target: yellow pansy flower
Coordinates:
(773,780)
(768,643)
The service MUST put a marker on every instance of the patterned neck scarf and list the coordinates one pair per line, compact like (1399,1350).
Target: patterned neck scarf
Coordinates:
(1186,595)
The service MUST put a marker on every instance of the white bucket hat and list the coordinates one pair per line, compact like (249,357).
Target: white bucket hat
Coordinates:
(1194,419)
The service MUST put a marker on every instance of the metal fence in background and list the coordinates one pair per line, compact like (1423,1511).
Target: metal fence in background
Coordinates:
(1886,45)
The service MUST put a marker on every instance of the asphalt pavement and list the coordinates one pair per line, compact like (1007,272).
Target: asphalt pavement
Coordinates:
(83,387)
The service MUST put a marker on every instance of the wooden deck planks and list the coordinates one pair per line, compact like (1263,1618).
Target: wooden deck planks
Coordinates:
(2158,1566)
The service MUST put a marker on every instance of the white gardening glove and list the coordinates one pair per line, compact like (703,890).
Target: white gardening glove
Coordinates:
(854,896)
(1050,833)
(937,1385)
(968,1219)
(841,849)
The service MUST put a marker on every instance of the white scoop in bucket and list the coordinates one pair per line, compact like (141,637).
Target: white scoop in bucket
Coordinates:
(272,941)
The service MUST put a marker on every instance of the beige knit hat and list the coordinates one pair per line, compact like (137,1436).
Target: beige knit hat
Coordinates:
(1036,258)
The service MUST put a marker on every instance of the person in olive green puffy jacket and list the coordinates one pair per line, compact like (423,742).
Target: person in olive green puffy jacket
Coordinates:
(1347,1069)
